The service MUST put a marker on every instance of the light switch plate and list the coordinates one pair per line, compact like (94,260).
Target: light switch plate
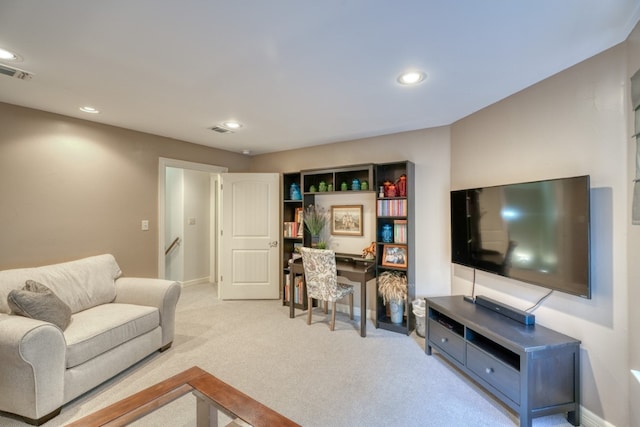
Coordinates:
(144,225)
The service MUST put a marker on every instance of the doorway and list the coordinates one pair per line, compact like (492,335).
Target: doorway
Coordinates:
(187,221)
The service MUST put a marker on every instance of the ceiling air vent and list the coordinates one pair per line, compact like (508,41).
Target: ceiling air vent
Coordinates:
(15,72)
(220,129)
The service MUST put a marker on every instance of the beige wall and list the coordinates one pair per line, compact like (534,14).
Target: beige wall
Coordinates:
(573,123)
(72,188)
(633,246)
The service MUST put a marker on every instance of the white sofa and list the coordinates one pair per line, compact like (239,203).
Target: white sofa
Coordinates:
(115,322)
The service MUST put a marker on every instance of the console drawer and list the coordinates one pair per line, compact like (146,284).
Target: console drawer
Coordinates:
(446,340)
(494,372)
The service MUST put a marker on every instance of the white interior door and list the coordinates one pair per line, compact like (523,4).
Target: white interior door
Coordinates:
(249,236)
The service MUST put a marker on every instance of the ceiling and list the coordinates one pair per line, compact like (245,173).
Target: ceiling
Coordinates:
(296,73)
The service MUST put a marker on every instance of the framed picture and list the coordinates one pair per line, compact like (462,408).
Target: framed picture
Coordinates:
(394,256)
(346,220)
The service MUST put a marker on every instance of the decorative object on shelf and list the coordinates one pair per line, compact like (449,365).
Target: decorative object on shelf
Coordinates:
(387,233)
(370,251)
(315,219)
(385,186)
(294,192)
(381,192)
(390,190)
(396,308)
(392,287)
(344,186)
(329,187)
(312,189)
(322,186)
(364,185)
(355,184)
(346,220)
(394,256)
(401,186)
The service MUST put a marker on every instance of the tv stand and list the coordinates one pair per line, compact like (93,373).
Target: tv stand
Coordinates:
(533,370)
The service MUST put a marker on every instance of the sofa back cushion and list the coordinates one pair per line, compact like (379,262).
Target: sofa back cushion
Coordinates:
(81,284)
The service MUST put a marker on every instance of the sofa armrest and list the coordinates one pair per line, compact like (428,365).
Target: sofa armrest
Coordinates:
(159,293)
(32,370)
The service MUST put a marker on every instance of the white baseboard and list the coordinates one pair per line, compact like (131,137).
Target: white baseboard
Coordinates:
(589,419)
(344,308)
(195,281)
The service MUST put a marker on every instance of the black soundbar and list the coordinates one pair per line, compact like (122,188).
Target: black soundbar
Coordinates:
(505,310)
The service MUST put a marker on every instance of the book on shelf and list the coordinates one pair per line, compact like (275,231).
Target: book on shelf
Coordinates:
(392,207)
(400,231)
(298,290)
(290,229)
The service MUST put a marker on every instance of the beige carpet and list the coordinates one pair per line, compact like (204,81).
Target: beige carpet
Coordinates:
(312,375)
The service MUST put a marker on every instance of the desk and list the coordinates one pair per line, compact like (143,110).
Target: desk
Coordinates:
(354,268)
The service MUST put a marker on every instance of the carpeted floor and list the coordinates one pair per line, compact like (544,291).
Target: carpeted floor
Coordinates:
(308,373)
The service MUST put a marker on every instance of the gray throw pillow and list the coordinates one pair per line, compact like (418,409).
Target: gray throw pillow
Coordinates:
(37,301)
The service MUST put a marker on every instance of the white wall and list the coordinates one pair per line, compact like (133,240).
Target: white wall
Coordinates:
(187,215)
(196,225)
(174,220)
(633,246)
(574,123)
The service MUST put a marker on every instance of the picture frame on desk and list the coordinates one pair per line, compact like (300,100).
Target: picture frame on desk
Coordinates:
(394,256)
(346,220)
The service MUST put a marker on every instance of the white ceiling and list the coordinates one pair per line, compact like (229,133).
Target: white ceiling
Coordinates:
(296,72)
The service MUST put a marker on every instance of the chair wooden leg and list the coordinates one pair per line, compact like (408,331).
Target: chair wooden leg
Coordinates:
(309,308)
(351,306)
(333,315)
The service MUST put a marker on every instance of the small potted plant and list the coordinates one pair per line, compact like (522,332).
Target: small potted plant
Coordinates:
(392,287)
(315,219)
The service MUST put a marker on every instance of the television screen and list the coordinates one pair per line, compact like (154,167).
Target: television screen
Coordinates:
(536,232)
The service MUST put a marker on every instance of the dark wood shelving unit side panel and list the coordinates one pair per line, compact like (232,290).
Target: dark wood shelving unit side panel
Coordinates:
(288,214)
(393,211)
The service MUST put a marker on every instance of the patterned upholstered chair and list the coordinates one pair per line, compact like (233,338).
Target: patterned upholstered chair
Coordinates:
(322,283)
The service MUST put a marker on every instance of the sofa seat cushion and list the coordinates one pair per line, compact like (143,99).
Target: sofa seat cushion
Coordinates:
(101,328)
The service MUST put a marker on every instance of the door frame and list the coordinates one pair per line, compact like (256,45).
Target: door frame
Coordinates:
(163,164)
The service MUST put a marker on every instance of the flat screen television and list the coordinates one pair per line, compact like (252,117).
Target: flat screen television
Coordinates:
(535,232)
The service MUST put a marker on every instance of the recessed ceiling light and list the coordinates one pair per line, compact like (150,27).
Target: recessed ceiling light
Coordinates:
(90,110)
(9,56)
(411,77)
(232,124)
(246,152)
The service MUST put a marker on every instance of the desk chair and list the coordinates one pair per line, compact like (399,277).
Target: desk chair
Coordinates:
(321,279)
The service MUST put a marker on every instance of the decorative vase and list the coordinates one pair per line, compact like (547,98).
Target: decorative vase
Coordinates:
(387,233)
(314,241)
(385,187)
(401,185)
(397,311)
(355,184)
(322,187)
(344,186)
(312,189)
(390,191)
(294,192)
(364,186)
